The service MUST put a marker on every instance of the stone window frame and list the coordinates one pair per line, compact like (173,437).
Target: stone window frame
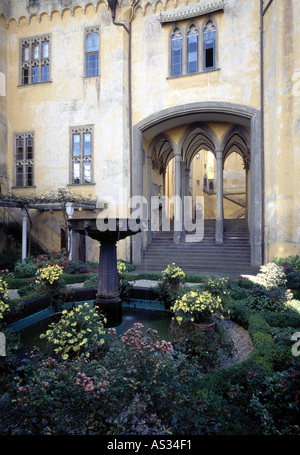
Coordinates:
(180,32)
(184,30)
(88,31)
(32,62)
(24,162)
(81,130)
(203,28)
(193,24)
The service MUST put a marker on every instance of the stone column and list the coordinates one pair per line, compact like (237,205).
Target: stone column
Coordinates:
(108,300)
(220,214)
(177,200)
(149,234)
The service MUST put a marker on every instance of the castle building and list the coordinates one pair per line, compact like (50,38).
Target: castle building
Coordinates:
(111,100)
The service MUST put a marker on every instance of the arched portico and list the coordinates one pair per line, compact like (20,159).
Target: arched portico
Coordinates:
(243,137)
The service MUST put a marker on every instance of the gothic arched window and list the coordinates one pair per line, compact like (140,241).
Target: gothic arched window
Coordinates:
(209,46)
(92,53)
(192,45)
(176,53)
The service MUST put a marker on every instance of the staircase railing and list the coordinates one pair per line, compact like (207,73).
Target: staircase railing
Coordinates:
(6,218)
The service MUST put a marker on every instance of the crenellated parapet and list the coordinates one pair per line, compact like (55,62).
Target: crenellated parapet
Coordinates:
(26,9)
(169,11)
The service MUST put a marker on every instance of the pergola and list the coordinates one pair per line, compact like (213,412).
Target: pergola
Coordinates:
(43,205)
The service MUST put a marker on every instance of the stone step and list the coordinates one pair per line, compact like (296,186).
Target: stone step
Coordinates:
(205,257)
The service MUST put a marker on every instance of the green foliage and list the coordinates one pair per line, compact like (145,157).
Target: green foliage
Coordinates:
(25,269)
(200,347)
(8,260)
(293,279)
(4,307)
(141,386)
(294,261)
(273,298)
(291,384)
(170,286)
(80,267)
(137,384)
(217,286)
(236,290)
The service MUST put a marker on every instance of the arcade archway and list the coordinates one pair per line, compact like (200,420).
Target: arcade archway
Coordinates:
(165,149)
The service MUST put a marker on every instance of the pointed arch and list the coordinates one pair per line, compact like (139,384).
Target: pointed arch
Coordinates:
(165,148)
(196,137)
(236,139)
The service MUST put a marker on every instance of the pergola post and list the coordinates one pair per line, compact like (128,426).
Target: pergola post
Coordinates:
(24,233)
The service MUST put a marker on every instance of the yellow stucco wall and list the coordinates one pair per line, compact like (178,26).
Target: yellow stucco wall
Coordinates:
(282,129)
(70,99)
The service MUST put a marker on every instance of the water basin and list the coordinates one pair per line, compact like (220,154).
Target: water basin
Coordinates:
(133,311)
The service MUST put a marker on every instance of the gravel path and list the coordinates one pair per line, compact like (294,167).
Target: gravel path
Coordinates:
(242,344)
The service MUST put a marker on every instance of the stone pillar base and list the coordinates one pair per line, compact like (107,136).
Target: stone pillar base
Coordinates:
(219,231)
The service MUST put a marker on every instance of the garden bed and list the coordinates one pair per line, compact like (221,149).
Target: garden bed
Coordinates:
(138,384)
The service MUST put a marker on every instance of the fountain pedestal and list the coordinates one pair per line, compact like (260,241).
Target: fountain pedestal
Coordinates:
(107,301)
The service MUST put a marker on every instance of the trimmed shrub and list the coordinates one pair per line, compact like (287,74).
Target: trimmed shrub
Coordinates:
(271,275)
(25,269)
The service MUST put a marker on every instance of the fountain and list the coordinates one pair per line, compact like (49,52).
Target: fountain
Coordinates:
(107,300)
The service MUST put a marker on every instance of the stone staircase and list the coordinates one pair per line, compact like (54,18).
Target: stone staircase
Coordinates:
(232,258)
(11,232)
(240,202)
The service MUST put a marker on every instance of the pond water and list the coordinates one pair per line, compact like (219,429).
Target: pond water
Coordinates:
(150,318)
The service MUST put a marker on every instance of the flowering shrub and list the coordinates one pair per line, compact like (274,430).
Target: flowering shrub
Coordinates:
(217,286)
(78,267)
(123,284)
(271,275)
(54,397)
(170,286)
(263,401)
(197,306)
(77,333)
(3,295)
(48,281)
(271,299)
(49,275)
(121,267)
(138,360)
(201,348)
(54,258)
(290,261)
(291,385)
(173,274)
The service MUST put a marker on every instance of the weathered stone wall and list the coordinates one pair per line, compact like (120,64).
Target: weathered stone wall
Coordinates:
(282,131)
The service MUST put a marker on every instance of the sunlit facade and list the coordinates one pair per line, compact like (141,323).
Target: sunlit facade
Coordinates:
(171,98)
